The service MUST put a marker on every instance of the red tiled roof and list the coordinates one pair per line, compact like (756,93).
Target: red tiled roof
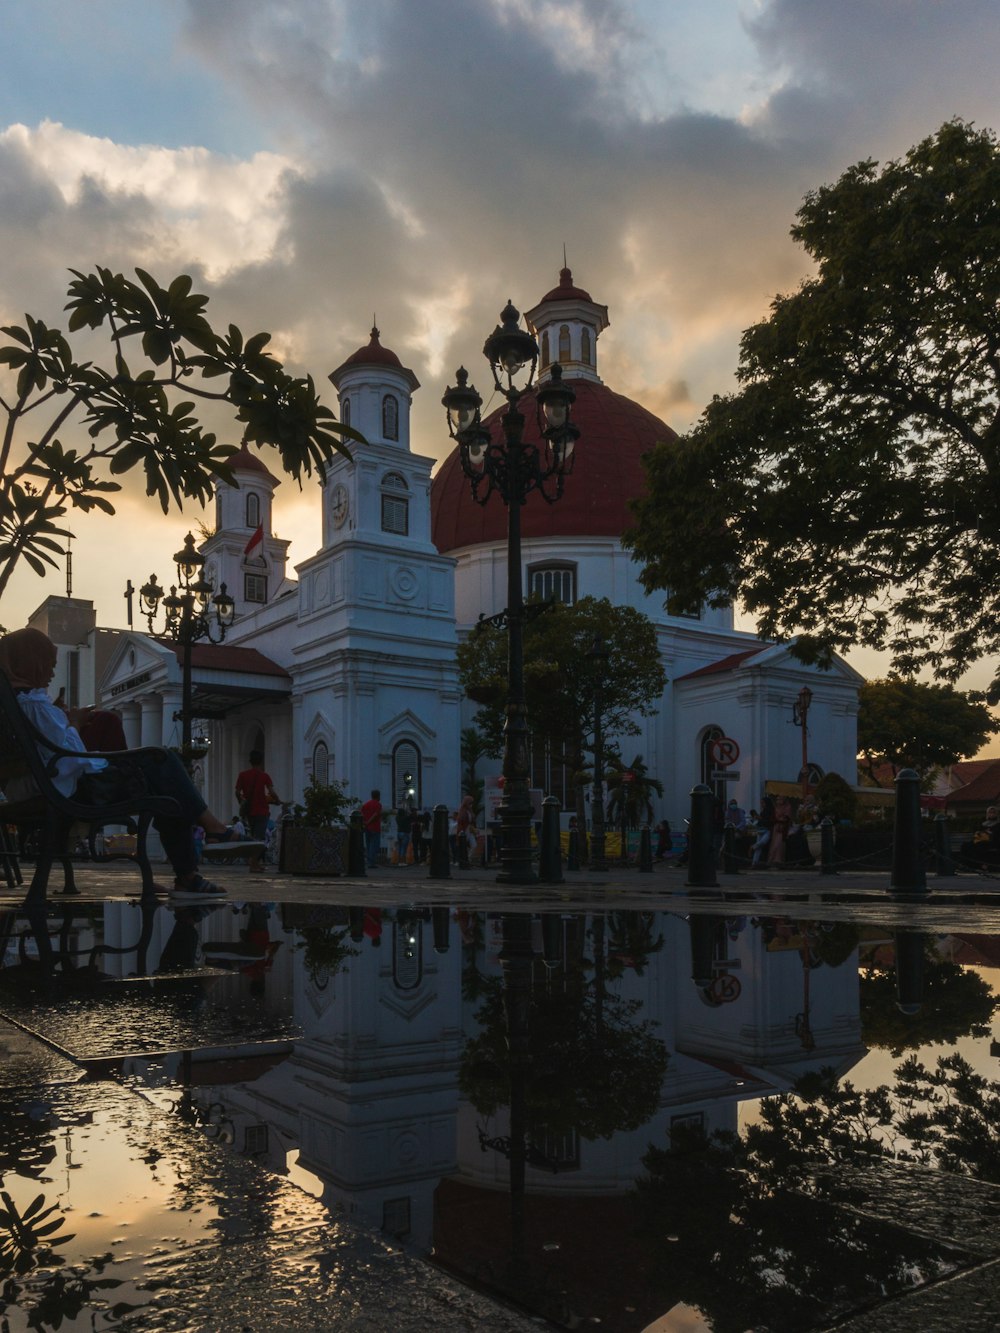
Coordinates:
(222,657)
(374,354)
(615,432)
(723,664)
(976,949)
(566,290)
(983,789)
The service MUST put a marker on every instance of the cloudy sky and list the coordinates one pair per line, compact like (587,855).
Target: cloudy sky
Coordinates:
(315,162)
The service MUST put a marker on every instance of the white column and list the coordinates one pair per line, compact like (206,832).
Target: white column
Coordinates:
(131,723)
(151,727)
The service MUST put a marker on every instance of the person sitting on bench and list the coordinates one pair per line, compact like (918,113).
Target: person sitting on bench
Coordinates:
(28,660)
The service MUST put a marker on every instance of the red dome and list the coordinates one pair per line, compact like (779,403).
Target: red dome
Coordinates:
(566,290)
(244,461)
(374,354)
(614,434)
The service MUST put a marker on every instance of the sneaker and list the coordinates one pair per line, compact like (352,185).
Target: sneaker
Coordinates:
(198,888)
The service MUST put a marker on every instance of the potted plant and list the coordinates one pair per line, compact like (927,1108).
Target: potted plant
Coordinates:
(314,841)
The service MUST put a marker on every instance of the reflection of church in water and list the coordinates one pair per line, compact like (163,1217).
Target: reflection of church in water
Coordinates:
(366,1103)
(346,665)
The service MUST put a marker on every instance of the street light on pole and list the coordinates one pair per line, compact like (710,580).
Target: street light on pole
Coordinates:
(800,715)
(514,467)
(190,613)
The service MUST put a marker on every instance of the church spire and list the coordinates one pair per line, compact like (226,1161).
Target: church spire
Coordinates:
(567,324)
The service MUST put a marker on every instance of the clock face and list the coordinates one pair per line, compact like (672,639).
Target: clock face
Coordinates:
(341,504)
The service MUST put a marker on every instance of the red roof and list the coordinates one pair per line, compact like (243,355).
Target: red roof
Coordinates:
(566,290)
(374,354)
(223,657)
(244,461)
(723,664)
(984,789)
(615,432)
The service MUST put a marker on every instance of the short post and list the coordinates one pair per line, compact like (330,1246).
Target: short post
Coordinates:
(730,861)
(701,853)
(550,857)
(441,923)
(645,851)
(552,938)
(909,971)
(356,918)
(943,859)
(908,876)
(440,857)
(703,931)
(286,823)
(573,851)
(356,859)
(826,848)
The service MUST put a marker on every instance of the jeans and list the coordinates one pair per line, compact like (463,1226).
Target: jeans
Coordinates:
(373,845)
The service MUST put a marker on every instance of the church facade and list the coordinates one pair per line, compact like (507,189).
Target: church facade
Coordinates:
(345,667)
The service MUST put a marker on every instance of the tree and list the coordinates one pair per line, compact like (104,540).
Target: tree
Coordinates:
(849,492)
(957,1003)
(630,794)
(909,724)
(124,418)
(562,676)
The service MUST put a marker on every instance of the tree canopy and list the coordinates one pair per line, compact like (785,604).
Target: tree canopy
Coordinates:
(910,724)
(561,675)
(136,411)
(849,492)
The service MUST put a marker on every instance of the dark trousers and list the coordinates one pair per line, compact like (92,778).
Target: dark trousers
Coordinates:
(162,774)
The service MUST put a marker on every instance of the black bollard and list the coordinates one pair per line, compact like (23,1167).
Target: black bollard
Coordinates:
(356,920)
(440,855)
(826,848)
(730,860)
(550,853)
(943,859)
(645,851)
(701,852)
(356,847)
(552,938)
(441,919)
(909,971)
(703,931)
(286,823)
(573,851)
(908,877)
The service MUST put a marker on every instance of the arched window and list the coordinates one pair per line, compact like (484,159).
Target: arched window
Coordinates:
(321,762)
(553,580)
(564,343)
(406,774)
(390,418)
(253,509)
(345,410)
(395,504)
(545,349)
(585,352)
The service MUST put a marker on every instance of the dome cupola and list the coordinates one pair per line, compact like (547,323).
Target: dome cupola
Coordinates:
(567,324)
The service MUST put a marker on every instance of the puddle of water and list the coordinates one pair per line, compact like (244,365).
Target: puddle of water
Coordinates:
(236,1126)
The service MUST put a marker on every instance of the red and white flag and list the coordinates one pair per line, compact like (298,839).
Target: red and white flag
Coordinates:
(255,540)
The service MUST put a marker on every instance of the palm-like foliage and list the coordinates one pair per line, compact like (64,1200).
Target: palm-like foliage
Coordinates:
(630,794)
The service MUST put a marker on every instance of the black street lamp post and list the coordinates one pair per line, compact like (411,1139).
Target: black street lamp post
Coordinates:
(599,654)
(187,619)
(800,717)
(514,467)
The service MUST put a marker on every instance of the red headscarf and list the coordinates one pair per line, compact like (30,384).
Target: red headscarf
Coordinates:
(27,659)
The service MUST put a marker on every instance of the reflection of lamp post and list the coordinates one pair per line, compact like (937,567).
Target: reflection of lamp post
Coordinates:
(599,656)
(514,468)
(800,714)
(187,620)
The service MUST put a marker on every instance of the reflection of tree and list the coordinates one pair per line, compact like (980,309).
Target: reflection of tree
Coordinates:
(956,1003)
(632,938)
(324,951)
(593,1067)
(951,1115)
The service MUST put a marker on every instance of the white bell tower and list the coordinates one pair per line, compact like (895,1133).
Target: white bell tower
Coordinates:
(567,324)
(243,552)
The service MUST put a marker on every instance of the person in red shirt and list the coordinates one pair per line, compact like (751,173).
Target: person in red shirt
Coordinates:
(255,792)
(371,817)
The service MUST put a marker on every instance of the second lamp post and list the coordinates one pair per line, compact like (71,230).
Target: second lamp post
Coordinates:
(514,466)
(188,619)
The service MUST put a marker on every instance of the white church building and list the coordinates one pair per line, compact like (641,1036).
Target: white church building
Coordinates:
(345,665)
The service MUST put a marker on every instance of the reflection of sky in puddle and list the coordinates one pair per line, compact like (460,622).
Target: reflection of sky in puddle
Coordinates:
(339,1080)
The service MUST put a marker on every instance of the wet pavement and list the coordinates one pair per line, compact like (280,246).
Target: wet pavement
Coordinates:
(393,1102)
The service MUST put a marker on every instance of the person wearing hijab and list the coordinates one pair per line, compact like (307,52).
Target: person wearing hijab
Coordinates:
(28,660)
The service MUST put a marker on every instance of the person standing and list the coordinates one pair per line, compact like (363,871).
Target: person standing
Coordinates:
(371,819)
(255,793)
(404,828)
